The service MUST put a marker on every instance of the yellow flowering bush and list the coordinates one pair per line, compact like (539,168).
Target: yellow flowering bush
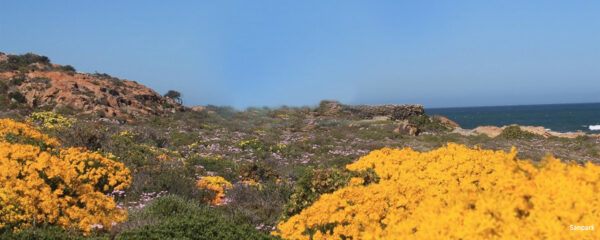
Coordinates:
(455,193)
(10,213)
(217,184)
(258,145)
(12,131)
(64,187)
(127,134)
(253,183)
(51,119)
(254,143)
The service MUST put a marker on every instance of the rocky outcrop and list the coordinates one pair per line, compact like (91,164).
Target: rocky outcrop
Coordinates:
(394,112)
(44,85)
(445,120)
(198,108)
(387,112)
(406,128)
(330,108)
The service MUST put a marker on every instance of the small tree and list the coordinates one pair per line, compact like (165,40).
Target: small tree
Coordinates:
(175,95)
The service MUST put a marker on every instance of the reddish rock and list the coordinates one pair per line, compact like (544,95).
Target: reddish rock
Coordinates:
(90,93)
(445,120)
(198,108)
(406,128)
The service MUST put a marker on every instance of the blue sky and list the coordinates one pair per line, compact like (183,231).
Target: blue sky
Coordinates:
(271,53)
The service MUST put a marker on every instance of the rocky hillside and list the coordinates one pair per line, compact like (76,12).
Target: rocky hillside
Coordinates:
(33,80)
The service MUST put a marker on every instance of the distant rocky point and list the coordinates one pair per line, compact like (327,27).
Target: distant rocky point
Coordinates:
(494,131)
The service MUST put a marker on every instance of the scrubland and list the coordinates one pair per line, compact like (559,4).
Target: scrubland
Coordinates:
(291,173)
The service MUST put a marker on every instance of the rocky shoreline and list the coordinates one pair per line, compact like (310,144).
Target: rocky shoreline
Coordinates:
(494,131)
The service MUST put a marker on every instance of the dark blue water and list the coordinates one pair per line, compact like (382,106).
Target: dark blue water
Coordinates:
(557,117)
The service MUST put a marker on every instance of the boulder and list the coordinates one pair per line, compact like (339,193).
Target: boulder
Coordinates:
(198,108)
(445,120)
(406,128)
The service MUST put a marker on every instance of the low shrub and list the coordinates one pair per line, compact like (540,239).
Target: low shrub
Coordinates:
(42,80)
(51,120)
(258,172)
(17,96)
(515,132)
(67,69)
(130,152)
(165,177)
(258,204)
(46,232)
(220,166)
(93,136)
(194,227)
(170,206)
(182,139)
(3,86)
(17,62)
(429,124)
(313,184)
(17,80)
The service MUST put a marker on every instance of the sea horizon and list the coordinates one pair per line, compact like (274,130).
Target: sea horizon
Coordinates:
(511,105)
(559,117)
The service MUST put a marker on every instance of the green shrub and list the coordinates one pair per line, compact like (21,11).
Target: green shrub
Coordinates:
(161,209)
(17,96)
(429,124)
(17,62)
(169,206)
(258,205)
(222,167)
(3,86)
(43,80)
(129,152)
(258,172)
(67,69)
(194,227)
(515,132)
(175,95)
(182,138)
(164,177)
(17,80)
(47,233)
(92,136)
(313,184)
(65,110)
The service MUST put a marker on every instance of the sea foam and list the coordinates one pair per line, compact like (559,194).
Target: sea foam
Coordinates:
(594,127)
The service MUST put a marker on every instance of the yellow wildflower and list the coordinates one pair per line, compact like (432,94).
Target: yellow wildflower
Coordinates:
(456,193)
(64,187)
(51,119)
(217,184)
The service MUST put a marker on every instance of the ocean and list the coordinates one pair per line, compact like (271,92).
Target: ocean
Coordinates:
(556,117)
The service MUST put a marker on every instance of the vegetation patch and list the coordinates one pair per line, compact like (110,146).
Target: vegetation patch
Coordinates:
(460,192)
(61,187)
(515,132)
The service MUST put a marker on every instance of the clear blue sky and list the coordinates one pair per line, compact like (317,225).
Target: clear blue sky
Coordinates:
(257,53)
